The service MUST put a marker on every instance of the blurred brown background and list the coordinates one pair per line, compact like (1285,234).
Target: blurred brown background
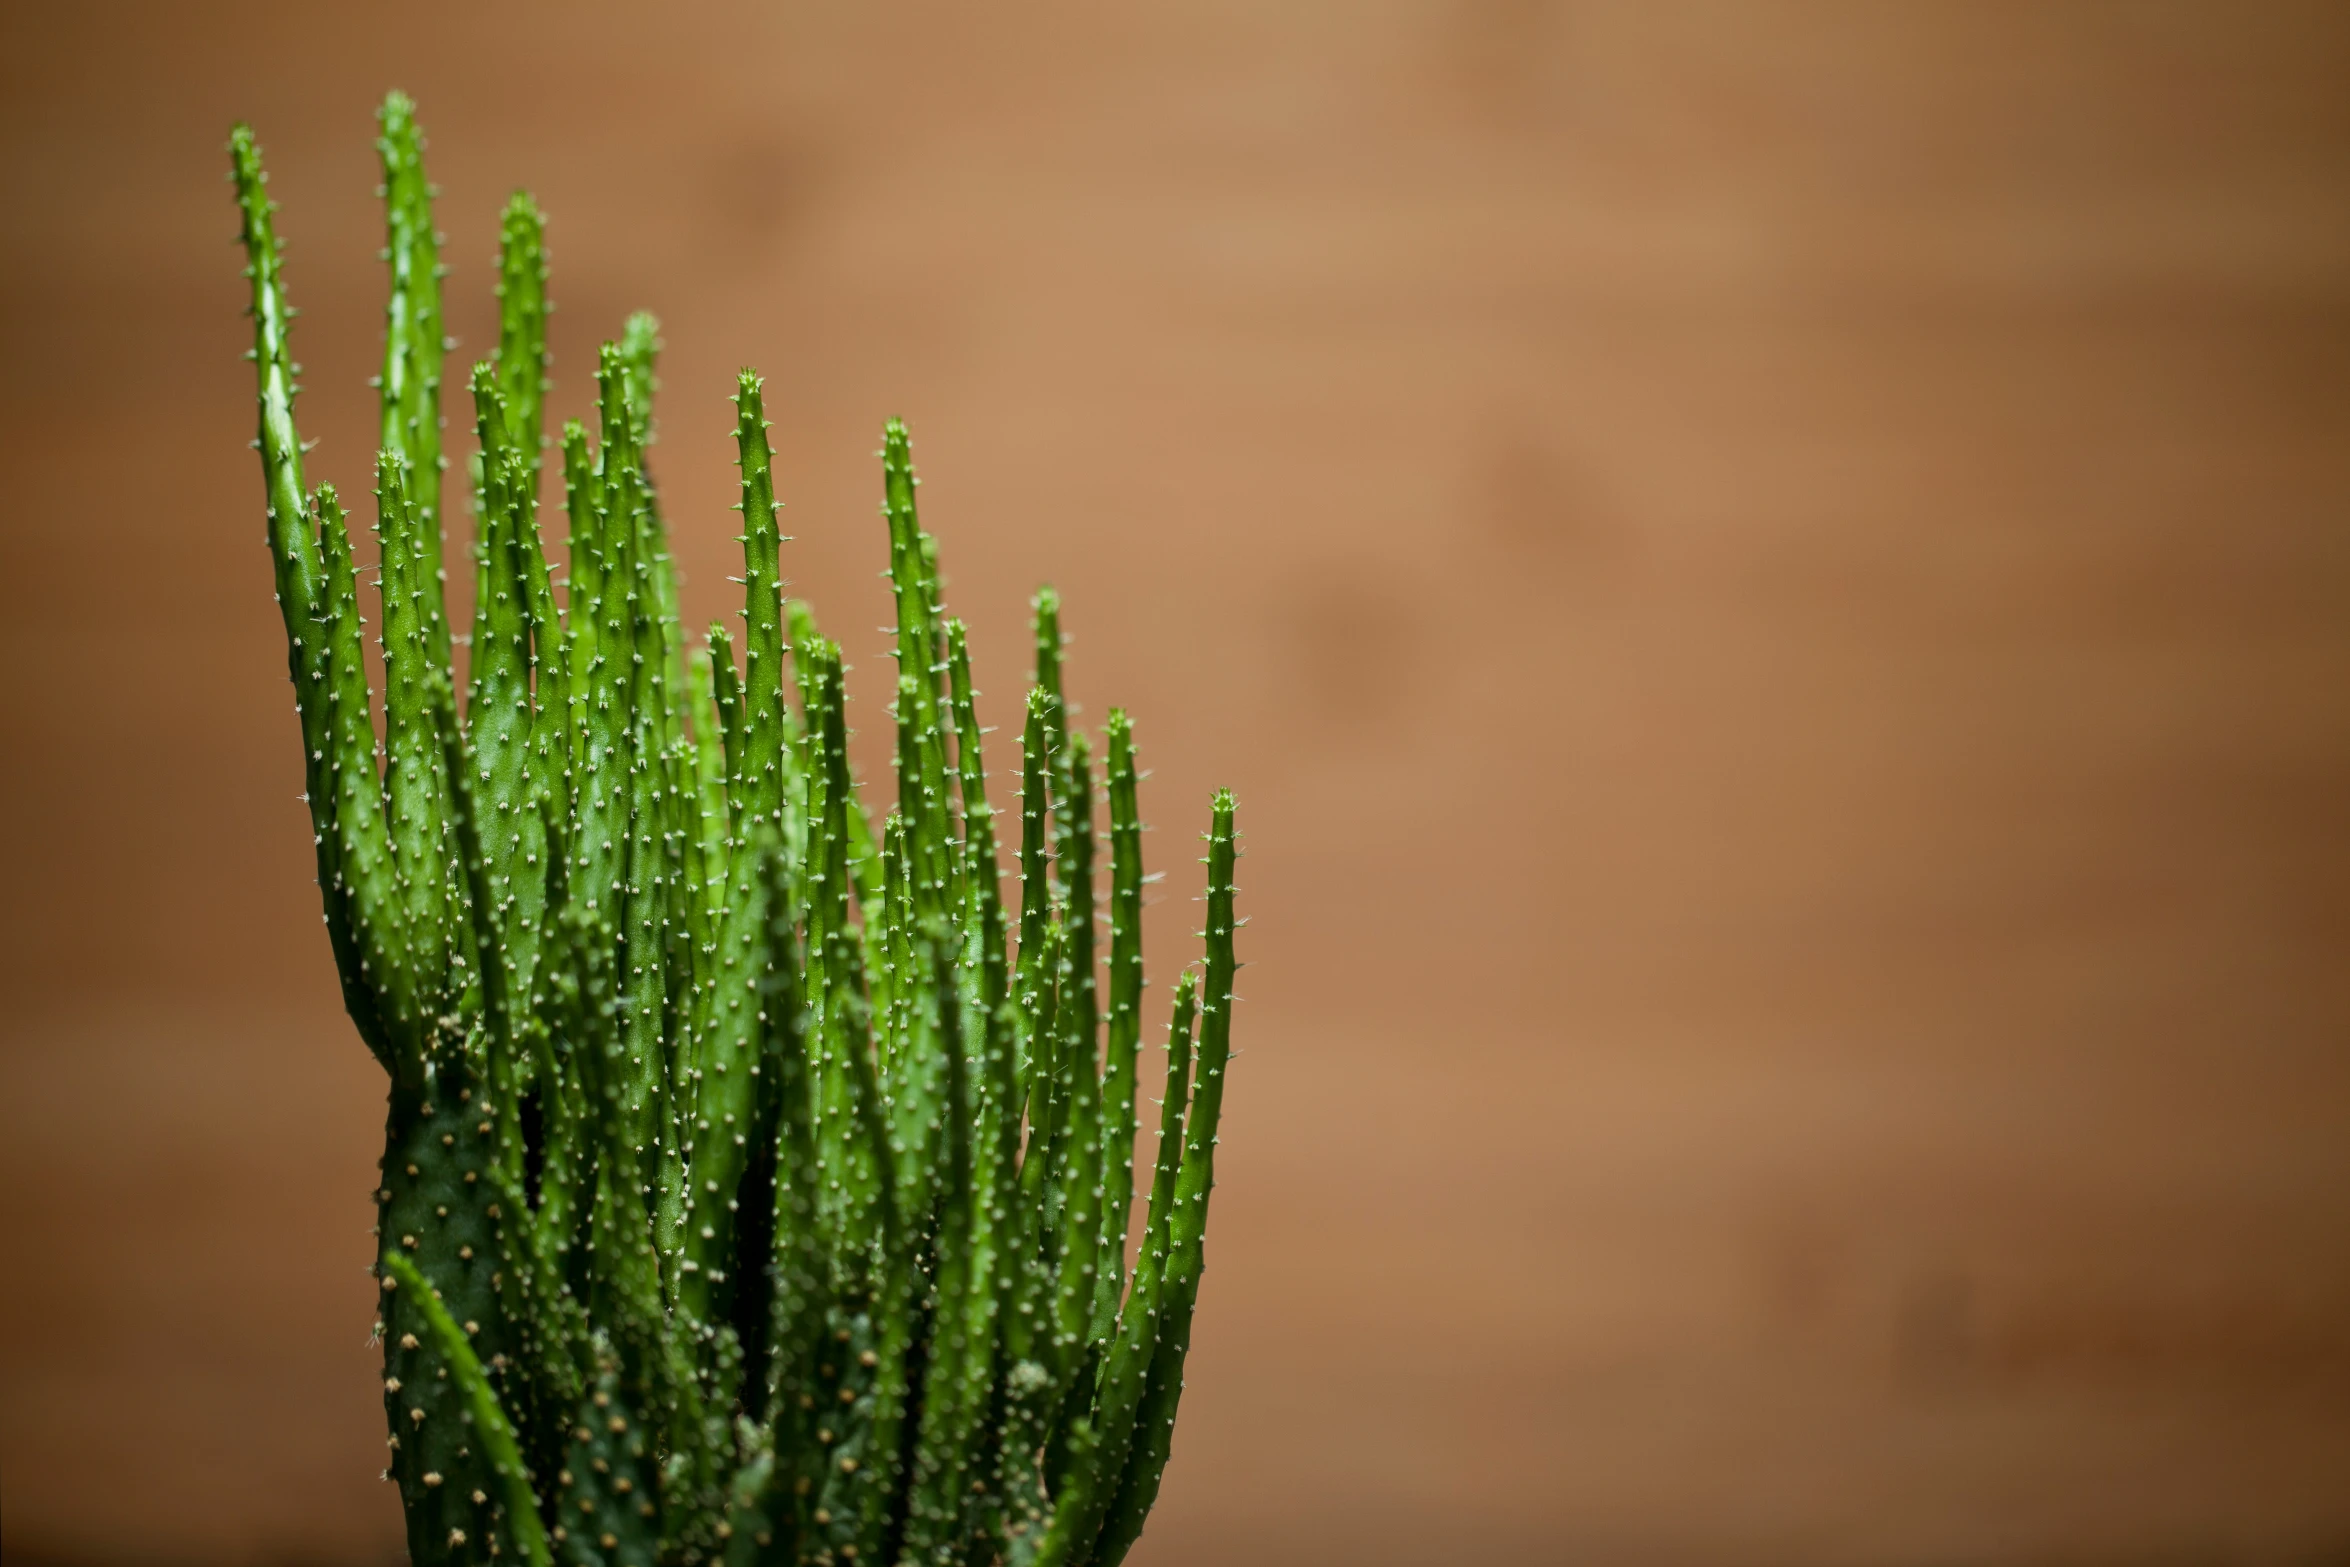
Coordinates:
(1774,581)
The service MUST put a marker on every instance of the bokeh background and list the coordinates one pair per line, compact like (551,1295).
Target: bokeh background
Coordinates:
(1774,581)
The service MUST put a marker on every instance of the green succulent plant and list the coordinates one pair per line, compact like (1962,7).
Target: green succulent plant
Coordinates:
(752,1190)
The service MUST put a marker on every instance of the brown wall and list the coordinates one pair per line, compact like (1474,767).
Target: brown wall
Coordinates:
(1774,581)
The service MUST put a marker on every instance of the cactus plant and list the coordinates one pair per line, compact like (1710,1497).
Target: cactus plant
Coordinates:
(757,1187)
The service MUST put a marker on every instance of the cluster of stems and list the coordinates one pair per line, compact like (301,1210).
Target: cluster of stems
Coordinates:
(752,1190)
